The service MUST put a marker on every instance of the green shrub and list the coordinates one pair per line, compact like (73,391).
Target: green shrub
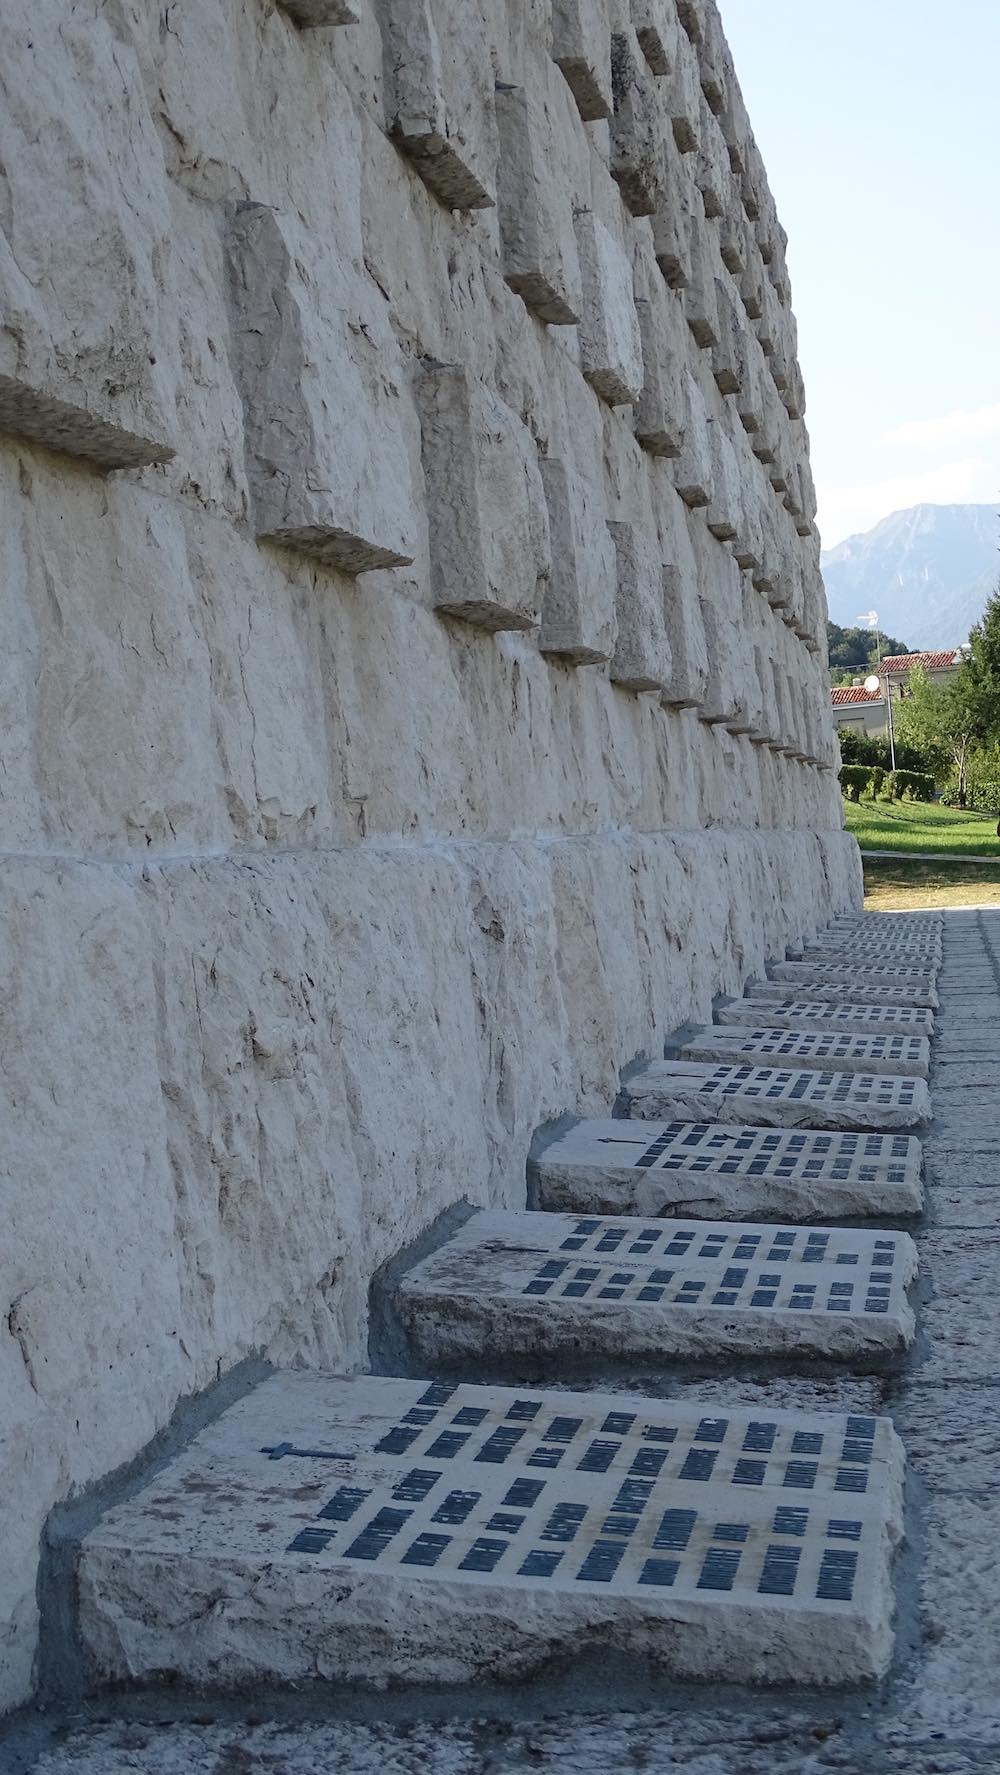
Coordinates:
(878,778)
(912,785)
(854,780)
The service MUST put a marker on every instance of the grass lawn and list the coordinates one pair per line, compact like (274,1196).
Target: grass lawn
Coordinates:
(902,886)
(921,826)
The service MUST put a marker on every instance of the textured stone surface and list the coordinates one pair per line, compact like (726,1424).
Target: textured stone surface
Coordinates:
(836,986)
(439,96)
(777,1096)
(816,1050)
(317,901)
(507,1286)
(608,1167)
(302,362)
(384,1530)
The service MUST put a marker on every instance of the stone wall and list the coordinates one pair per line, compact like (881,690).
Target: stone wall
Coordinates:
(413,697)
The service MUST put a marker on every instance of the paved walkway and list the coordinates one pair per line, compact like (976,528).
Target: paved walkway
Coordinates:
(939,1711)
(929,856)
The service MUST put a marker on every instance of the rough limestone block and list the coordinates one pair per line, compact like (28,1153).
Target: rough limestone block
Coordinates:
(310,14)
(683,96)
(853,947)
(439,96)
(729,356)
(659,412)
(581,47)
(372,1528)
(578,615)
(805,1014)
(610,342)
(537,239)
(699,296)
(641,660)
(718,704)
(506,1287)
(732,232)
(776,1097)
(751,286)
(689,669)
(84,244)
(712,172)
(723,515)
(674,219)
(310,346)
(826,1050)
(692,468)
(657,26)
(489,531)
(712,62)
(637,128)
(665,1169)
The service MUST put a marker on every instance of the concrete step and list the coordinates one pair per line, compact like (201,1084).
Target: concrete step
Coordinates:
(814,1050)
(784,1011)
(875,943)
(509,1291)
(669,1168)
(861,987)
(776,1096)
(929,920)
(916,984)
(381,1532)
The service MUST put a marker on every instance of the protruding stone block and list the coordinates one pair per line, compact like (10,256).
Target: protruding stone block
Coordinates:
(713,176)
(777,1097)
(578,615)
(683,96)
(537,239)
(85,230)
(685,630)
(657,27)
(517,1289)
(637,129)
(832,985)
(489,531)
(663,1169)
(712,61)
(641,659)
(311,14)
(311,350)
(581,47)
(729,355)
(674,218)
(610,343)
(439,96)
(724,512)
(659,413)
(692,468)
(700,294)
(371,1527)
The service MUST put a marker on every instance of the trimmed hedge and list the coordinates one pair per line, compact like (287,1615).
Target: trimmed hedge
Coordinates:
(912,785)
(854,779)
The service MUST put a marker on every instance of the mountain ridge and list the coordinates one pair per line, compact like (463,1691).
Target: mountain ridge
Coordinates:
(928,571)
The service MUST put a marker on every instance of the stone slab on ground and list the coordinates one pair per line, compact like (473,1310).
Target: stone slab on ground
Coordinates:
(787,1012)
(380,1531)
(874,980)
(906,958)
(834,984)
(506,1286)
(777,1096)
(698,1168)
(824,1050)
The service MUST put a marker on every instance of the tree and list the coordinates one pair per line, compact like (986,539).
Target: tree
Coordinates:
(853,651)
(984,663)
(946,721)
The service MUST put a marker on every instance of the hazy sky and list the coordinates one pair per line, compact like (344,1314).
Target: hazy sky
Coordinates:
(879,123)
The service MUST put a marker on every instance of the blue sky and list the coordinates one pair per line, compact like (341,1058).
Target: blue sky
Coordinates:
(879,123)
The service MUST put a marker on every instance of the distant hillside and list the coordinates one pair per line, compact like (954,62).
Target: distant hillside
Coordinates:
(927,571)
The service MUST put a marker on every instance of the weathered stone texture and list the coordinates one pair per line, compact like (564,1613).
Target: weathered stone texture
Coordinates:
(317,901)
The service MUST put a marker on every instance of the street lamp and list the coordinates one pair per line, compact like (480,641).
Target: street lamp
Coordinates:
(873,684)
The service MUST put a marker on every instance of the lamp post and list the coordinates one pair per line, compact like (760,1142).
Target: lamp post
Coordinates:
(872,685)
